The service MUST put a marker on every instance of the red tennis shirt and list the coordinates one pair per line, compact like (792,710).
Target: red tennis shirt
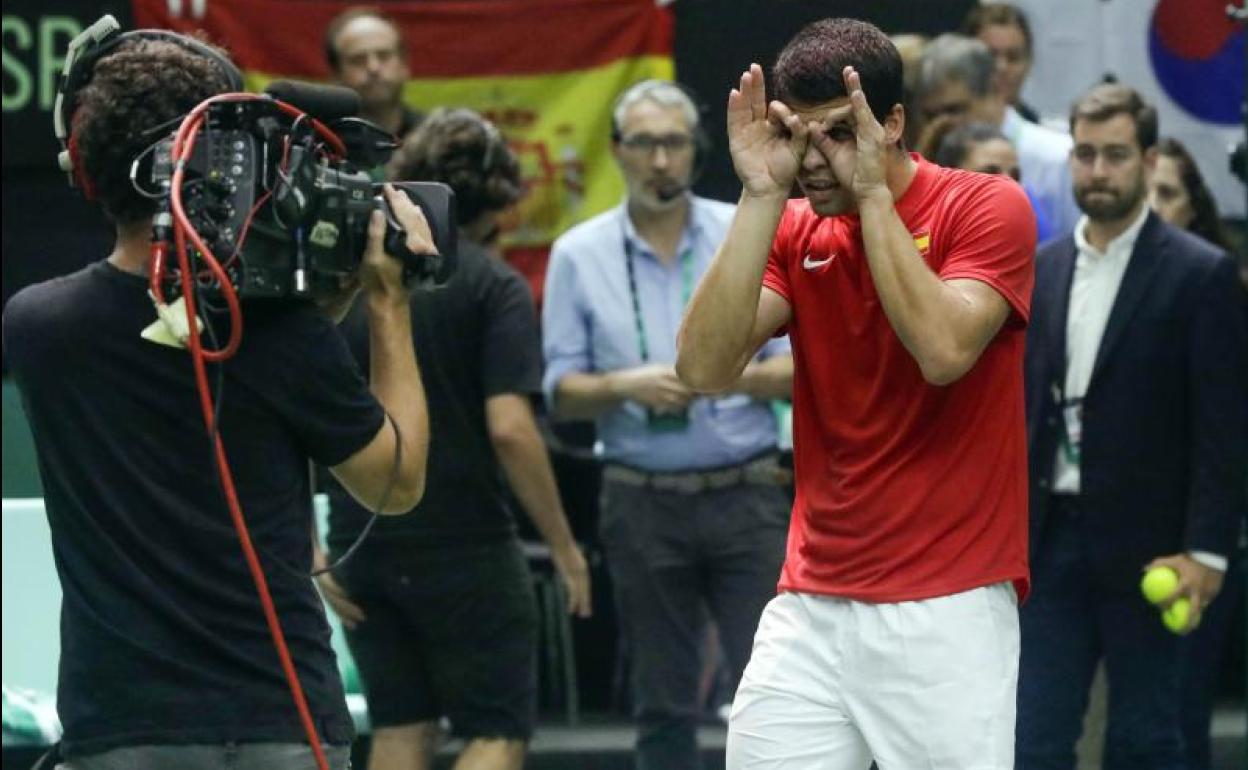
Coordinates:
(905,490)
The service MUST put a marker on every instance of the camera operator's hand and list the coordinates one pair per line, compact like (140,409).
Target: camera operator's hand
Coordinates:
(381,274)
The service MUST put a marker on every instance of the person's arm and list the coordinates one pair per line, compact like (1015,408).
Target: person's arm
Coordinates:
(944,324)
(581,395)
(522,454)
(731,314)
(371,475)
(348,612)
(768,379)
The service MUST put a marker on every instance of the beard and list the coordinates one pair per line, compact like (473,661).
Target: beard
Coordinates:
(1111,205)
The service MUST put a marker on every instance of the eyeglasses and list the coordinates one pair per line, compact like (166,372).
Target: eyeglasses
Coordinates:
(648,143)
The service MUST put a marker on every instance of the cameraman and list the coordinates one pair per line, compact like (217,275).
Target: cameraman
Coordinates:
(166,658)
(438,606)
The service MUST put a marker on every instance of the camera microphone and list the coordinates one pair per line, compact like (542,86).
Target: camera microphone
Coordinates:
(325,103)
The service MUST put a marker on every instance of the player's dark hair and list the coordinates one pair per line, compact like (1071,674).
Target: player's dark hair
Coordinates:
(809,69)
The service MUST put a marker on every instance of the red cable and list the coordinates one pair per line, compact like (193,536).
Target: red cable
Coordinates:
(183,228)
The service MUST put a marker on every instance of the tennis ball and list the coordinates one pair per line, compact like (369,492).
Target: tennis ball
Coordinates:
(1175,617)
(1159,583)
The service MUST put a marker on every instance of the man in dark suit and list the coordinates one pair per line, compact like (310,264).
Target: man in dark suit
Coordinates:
(1137,423)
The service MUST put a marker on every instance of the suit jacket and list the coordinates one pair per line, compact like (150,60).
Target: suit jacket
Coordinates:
(1165,416)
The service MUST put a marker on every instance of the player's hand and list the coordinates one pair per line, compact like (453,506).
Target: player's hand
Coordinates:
(381,274)
(863,172)
(1199,583)
(574,572)
(766,142)
(653,385)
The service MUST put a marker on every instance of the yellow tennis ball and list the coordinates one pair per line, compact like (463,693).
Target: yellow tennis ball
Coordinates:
(1159,583)
(1175,616)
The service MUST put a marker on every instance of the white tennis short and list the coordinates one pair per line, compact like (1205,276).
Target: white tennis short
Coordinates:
(834,683)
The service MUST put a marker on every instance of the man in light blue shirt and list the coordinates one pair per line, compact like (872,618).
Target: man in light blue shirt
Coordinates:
(694,508)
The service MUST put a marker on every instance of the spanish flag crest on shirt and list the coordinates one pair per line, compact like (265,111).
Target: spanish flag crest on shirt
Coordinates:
(922,242)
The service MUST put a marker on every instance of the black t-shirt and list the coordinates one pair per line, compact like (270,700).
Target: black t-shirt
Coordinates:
(162,635)
(475,338)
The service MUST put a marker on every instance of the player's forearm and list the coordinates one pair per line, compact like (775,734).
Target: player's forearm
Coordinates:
(522,454)
(922,309)
(715,337)
(394,377)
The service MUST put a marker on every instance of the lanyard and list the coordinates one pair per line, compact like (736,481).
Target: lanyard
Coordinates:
(686,291)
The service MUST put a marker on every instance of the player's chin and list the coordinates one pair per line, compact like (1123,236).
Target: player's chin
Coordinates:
(830,205)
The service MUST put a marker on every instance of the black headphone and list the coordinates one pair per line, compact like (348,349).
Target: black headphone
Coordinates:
(642,90)
(92,44)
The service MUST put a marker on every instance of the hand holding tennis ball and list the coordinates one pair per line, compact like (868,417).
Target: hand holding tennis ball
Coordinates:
(1159,584)
(1175,616)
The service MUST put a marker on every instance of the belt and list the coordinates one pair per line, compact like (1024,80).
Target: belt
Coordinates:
(764,470)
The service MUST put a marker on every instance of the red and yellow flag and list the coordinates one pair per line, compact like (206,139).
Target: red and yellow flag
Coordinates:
(545,71)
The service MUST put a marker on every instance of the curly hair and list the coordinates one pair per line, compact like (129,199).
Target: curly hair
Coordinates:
(809,69)
(141,85)
(463,150)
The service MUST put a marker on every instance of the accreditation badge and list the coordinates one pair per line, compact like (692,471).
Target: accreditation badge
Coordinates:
(1072,435)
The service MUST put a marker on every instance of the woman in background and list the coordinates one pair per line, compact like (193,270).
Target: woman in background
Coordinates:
(1179,195)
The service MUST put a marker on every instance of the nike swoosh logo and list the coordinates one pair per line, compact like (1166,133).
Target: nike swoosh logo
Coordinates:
(815,264)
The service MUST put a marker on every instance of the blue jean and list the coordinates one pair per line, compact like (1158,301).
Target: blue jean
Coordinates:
(1070,624)
(226,756)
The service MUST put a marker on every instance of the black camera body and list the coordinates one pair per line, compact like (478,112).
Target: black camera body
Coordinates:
(281,215)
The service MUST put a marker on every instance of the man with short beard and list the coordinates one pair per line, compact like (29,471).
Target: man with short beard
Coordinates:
(1136,372)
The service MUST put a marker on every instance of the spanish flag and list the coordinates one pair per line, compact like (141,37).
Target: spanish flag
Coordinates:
(546,72)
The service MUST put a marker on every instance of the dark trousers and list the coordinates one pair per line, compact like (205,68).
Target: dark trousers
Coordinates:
(674,558)
(1068,625)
